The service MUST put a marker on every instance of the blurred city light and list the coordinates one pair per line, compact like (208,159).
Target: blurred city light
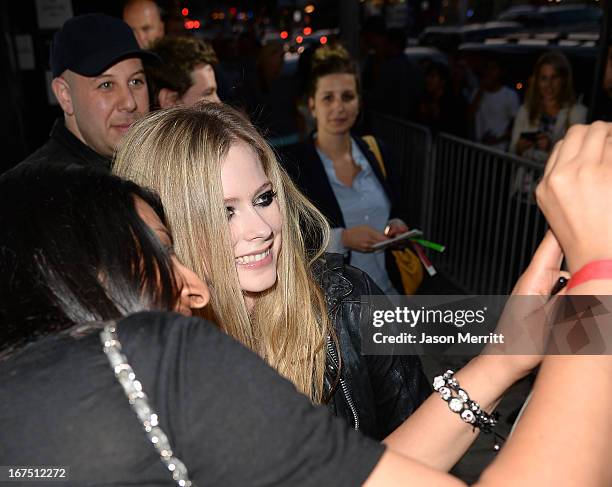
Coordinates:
(299,39)
(323,40)
(307,31)
(185,12)
(309,8)
(284,34)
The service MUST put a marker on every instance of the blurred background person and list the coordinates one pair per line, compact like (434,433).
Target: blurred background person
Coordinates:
(392,83)
(144,17)
(493,107)
(186,74)
(439,108)
(604,110)
(550,108)
(271,98)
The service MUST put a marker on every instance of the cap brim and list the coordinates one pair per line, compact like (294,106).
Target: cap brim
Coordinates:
(96,65)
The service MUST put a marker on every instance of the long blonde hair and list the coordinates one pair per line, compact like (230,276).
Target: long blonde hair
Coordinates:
(179,154)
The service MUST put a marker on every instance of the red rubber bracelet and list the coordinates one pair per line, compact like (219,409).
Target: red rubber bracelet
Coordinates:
(598,269)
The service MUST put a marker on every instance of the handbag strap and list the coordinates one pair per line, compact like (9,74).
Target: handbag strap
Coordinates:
(139,403)
(373,146)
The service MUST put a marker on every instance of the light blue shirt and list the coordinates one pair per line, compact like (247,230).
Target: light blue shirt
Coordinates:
(365,203)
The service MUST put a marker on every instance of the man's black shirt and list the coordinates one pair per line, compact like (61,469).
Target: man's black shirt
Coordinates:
(64,148)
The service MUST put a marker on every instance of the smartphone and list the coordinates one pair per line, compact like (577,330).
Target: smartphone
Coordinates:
(398,238)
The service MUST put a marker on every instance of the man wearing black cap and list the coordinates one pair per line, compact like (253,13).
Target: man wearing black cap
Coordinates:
(101,87)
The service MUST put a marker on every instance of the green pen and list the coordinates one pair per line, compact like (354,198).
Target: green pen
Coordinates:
(430,245)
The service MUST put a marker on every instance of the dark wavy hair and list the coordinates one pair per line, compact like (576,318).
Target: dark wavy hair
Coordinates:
(74,251)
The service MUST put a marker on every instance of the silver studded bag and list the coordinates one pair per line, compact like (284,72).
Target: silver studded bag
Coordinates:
(140,404)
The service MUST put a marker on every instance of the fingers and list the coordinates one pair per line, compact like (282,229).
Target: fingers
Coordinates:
(567,149)
(572,143)
(563,290)
(548,254)
(594,143)
(552,159)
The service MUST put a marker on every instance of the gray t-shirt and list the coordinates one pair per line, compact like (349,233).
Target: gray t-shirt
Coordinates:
(229,417)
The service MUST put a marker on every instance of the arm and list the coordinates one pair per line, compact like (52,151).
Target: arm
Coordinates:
(438,438)
(564,439)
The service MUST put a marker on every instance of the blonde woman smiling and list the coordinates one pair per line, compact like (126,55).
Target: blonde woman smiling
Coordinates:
(236,218)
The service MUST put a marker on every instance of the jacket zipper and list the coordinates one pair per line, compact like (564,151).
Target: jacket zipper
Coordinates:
(345,390)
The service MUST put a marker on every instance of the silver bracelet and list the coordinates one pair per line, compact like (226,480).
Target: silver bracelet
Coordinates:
(459,402)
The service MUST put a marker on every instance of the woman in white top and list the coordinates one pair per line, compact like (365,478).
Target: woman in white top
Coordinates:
(550,108)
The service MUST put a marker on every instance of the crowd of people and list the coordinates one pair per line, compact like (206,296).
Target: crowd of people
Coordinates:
(466,99)
(189,305)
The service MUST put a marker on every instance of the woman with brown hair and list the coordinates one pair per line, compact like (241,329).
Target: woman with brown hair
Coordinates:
(550,108)
(341,175)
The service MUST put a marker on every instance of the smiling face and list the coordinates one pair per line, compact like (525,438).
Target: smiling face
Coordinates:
(550,82)
(100,110)
(335,104)
(255,220)
(194,292)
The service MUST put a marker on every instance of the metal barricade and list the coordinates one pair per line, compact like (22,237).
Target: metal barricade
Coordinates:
(409,145)
(476,200)
(480,204)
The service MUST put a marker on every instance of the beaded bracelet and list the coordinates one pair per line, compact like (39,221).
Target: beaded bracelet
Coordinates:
(459,402)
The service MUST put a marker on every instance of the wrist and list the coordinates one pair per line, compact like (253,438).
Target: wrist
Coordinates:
(499,369)
(594,275)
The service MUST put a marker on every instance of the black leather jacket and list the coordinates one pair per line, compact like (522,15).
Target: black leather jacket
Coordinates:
(377,392)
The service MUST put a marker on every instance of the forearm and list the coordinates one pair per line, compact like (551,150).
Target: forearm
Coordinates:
(436,436)
(557,429)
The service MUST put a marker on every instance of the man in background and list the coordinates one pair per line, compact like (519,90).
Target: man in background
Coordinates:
(100,84)
(493,107)
(185,75)
(144,17)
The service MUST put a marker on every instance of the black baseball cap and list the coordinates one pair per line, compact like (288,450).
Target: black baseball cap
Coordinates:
(90,44)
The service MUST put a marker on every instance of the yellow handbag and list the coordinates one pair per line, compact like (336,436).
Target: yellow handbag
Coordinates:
(408,263)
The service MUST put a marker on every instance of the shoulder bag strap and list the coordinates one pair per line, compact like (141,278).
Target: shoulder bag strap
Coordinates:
(373,146)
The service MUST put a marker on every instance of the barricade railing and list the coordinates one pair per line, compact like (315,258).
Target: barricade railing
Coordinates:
(481,204)
(476,200)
